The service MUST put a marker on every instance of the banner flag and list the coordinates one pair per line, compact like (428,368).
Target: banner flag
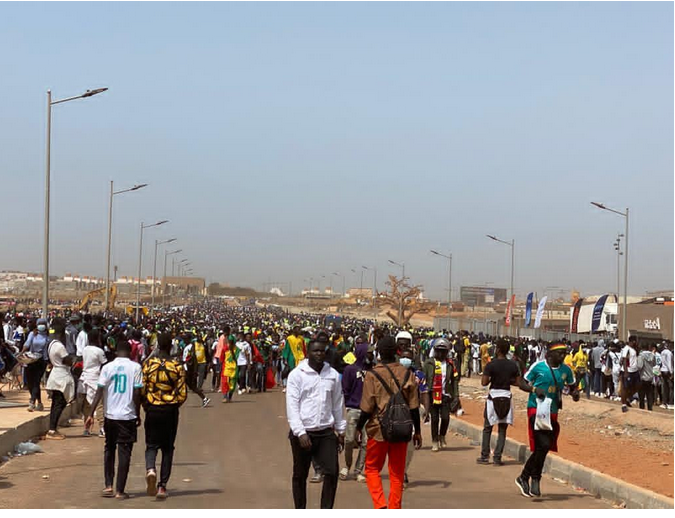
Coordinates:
(575,316)
(528,309)
(509,310)
(597,313)
(540,312)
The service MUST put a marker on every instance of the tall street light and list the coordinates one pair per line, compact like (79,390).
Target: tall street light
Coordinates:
(154,269)
(50,103)
(343,282)
(110,207)
(449,258)
(619,253)
(140,260)
(624,327)
(374,270)
(512,244)
(400,299)
(166,254)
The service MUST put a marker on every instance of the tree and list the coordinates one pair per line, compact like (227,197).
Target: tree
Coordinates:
(404,298)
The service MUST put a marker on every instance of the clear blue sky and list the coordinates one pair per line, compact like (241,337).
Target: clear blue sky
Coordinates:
(286,141)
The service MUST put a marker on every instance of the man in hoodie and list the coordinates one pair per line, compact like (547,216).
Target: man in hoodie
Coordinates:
(352,388)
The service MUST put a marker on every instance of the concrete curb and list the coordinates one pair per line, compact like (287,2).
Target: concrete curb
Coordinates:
(590,480)
(35,427)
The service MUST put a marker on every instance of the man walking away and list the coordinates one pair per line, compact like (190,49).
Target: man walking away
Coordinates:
(384,383)
(596,361)
(314,411)
(352,388)
(121,380)
(667,375)
(500,374)
(60,381)
(630,382)
(164,391)
(646,363)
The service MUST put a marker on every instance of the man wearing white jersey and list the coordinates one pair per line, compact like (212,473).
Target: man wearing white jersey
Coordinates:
(121,380)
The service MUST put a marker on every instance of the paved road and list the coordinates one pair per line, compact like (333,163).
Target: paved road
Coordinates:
(237,456)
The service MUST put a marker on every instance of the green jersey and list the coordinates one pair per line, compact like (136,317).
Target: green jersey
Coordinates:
(539,376)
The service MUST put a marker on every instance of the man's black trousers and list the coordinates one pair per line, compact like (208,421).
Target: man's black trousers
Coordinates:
(325,452)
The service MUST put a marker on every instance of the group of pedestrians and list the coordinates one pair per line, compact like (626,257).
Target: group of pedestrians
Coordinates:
(351,386)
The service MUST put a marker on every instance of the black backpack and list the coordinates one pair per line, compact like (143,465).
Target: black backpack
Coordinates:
(396,422)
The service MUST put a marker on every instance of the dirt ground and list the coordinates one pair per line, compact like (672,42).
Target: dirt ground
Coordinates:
(636,447)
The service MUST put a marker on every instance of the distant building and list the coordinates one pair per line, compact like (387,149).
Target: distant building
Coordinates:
(482,295)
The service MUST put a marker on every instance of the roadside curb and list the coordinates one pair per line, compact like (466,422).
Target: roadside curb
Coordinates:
(592,481)
(28,430)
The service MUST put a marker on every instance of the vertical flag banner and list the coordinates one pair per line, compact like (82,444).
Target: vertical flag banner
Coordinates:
(597,313)
(575,316)
(528,309)
(509,310)
(540,312)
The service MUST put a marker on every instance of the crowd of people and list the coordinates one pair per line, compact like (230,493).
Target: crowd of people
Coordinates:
(351,385)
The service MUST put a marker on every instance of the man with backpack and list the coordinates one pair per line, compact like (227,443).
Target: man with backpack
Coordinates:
(390,411)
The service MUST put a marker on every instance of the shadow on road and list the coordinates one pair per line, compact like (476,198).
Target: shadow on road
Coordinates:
(559,497)
(426,483)
(188,492)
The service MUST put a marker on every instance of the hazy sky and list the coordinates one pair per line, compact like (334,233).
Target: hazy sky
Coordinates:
(285,141)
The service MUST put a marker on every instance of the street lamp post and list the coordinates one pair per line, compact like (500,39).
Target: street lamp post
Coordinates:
(374,270)
(512,244)
(140,260)
(449,258)
(619,253)
(400,299)
(343,282)
(154,270)
(110,207)
(50,103)
(624,326)
(166,254)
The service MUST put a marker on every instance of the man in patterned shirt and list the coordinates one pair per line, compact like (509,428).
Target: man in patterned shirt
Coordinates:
(164,391)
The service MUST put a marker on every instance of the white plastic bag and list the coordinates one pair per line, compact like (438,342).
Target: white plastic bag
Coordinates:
(542,420)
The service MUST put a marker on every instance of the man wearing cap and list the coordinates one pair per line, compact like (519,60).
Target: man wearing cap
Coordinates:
(443,381)
(314,404)
(547,378)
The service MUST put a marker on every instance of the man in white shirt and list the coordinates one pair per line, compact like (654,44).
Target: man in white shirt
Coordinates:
(122,381)
(631,377)
(314,409)
(243,363)
(93,360)
(667,376)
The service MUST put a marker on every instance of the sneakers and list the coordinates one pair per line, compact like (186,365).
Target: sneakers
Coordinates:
(497,461)
(239,392)
(86,433)
(434,446)
(344,474)
(360,478)
(482,460)
(624,408)
(40,407)
(460,412)
(101,433)
(523,486)
(442,444)
(205,402)
(151,482)
(53,434)
(534,487)
(318,477)
(662,406)
(162,494)
(248,390)
(284,390)
(31,407)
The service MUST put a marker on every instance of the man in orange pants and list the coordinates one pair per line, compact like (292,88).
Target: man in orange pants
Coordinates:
(373,404)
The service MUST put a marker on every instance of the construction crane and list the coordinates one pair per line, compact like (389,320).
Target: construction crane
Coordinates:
(89,296)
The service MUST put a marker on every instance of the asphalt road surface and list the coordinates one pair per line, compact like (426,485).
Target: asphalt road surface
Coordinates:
(237,455)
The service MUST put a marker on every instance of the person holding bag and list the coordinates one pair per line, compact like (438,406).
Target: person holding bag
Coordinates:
(547,378)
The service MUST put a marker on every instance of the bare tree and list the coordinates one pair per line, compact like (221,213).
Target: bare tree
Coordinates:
(404,296)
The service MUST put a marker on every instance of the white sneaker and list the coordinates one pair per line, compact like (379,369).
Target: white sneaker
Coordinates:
(664,406)
(460,412)
(239,392)
(344,474)
(248,390)
(284,390)
(360,478)
(434,446)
